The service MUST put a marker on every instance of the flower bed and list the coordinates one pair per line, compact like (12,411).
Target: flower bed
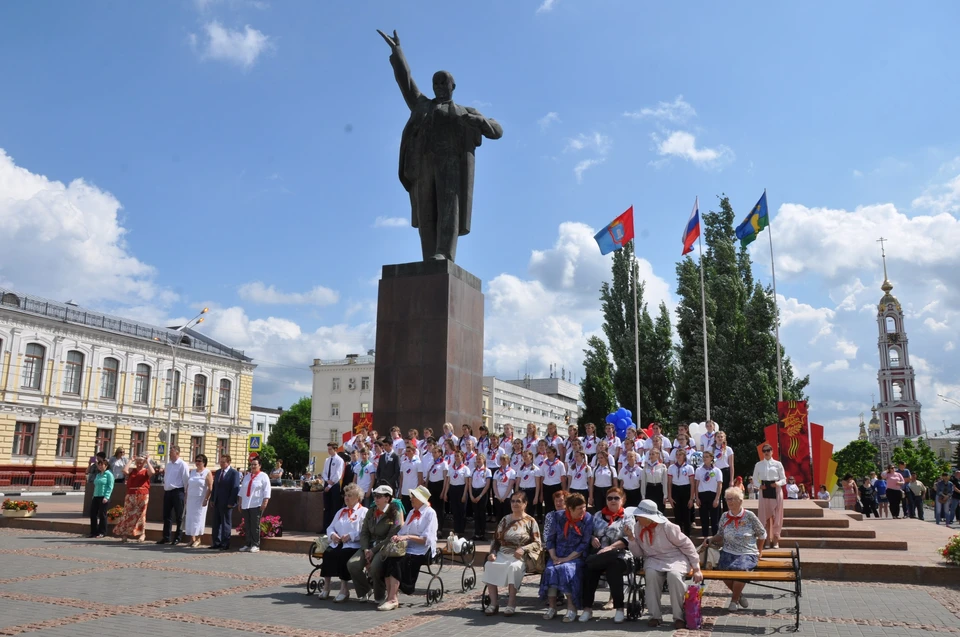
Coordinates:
(951,552)
(19,505)
(270,526)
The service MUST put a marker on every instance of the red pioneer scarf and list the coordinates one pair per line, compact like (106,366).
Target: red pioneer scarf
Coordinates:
(571,523)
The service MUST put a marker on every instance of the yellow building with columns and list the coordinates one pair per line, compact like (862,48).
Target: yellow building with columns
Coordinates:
(74,382)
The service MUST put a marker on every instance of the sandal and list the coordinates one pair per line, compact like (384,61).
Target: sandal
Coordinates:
(491,610)
(509,611)
(653,623)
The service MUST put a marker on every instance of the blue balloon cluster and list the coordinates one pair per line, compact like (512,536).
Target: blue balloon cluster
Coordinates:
(621,419)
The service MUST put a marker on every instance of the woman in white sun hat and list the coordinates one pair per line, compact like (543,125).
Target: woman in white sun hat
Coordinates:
(668,555)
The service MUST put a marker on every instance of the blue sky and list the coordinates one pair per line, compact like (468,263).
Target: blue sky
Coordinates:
(242,155)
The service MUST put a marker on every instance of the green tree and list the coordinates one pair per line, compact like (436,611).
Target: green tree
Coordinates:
(268,457)
(290,437)
(596,388)
(654,343)
(858,459)
(920,460)
(741,317)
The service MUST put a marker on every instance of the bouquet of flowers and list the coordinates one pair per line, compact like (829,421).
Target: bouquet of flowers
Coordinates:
(115,513)
(951,552)
(19,505)
(270,526)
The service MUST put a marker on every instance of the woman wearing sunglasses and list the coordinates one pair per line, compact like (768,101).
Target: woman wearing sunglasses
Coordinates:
(609,556)
(517,538)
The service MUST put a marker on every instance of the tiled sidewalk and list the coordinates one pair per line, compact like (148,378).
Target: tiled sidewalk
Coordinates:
(54,584)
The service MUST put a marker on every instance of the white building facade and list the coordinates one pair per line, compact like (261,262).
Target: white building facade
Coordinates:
(530,400)
(341,388)
(262,420)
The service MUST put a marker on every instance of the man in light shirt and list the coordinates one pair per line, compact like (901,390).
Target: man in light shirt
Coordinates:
(175,476)
(254,496)
(333,468)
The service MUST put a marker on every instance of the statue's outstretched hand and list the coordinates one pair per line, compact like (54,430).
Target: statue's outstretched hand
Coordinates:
(394,42)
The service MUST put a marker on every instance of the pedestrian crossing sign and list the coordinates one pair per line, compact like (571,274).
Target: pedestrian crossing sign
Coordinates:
(161,449)
(254,443)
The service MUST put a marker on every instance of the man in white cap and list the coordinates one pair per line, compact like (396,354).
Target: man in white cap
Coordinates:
(667,554)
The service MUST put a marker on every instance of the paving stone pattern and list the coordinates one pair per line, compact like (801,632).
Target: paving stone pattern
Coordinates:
(56,585)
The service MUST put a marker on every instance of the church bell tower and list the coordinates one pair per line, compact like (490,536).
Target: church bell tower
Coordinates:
(898,409)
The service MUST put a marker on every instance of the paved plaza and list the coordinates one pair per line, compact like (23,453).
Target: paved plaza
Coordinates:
(55,584)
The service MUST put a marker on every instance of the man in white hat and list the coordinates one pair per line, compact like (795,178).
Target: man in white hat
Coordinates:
(667,554)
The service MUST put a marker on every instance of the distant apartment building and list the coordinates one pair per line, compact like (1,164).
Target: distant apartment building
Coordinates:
(341,388)
(262,420)
(530,400)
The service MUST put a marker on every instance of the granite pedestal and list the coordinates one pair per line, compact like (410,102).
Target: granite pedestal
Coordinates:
(429,362)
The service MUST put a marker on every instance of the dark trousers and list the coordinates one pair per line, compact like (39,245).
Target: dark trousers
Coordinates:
(98,516)
(480,512)
(909,509)
(869,506)
(222,524)
(458,507)
(613,566)
(548,491)
(655,492)
(726,484)
(633,497)
(331,504)
(894,496)
(407,504)
(916,504)
(531,493)
(709,514)
(172,506)
(681,511)
(600,497)
(435,489)
(501,508)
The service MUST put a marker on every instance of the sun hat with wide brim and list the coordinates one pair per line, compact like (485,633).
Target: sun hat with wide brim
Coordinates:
(420,493)
(646,509)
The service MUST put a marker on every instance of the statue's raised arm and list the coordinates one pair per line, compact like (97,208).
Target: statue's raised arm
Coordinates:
(401,70)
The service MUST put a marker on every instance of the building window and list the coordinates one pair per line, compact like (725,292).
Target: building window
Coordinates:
(104,441)
(199,392)
(891,324)
(33,365)
(223,447)
(335,436)
(352,384)
(66,441)
(894,357)
(73,373)
(196,447)
(335,409)
(108,379)
(23,433)
(897,391)
(336,385)
(364,408)
(138,440)
(173,388)
(141,384)
(364,383)
(225,387)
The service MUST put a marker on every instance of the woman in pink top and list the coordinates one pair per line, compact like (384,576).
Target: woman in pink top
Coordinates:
(894,490)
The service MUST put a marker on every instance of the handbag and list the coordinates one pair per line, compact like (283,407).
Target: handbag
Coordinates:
(769,489)
(709,556)
(535,561)
(320,545)
(394,549)
(858,507)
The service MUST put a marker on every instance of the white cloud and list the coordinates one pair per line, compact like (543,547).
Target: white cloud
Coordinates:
(597,142)
(857,173)
(936,326)
(546,6)
(677,111)
(66,241)
(548,119)
(684,145)
(949,347)
(240,47)
(837,365)
(583,166)
(942,197)
(391,222)
(846,348)
(257,292)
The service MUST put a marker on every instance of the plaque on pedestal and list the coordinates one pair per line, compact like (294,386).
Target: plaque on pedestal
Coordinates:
(429,362)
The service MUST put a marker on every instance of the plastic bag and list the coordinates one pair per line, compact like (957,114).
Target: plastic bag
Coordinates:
(692,612)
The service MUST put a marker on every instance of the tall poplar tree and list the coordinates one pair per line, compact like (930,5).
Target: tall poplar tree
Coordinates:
(596,388)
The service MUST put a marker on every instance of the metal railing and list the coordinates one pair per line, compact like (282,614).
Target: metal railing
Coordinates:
(27,481)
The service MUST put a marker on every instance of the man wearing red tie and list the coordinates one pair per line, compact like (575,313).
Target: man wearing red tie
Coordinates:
(254,496)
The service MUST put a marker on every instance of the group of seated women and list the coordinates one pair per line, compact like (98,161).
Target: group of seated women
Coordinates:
(580,548)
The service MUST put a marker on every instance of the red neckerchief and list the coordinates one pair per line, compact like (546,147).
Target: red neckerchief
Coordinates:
(470,457)
(646,534)
(349,512)
(253,476)
(504,478)
(458,468)
(529,442)
(571,523)
(505,439)
(581,469)
(552,438)
(526,468)
(734,518)
(611,440)
(605,512)
(551,465)
(415,515)
(377,514)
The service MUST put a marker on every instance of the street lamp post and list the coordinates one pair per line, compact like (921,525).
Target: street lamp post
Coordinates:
(196,320)
(946,399)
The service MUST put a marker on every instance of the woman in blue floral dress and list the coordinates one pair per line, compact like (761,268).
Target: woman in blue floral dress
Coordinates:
(567,539)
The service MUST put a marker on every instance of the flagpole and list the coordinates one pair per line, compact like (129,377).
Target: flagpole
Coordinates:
(636,331)
(776,304)
(703,312)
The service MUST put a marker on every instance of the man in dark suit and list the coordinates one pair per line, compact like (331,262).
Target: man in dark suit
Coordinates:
(226,487)
(388,467)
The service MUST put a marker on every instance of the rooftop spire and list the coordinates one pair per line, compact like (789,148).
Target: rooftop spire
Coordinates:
(886,286)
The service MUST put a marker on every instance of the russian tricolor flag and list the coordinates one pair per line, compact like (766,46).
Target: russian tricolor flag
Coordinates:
(692,231)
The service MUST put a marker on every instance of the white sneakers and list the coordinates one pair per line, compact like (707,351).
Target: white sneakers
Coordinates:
(618,616)
(586,616)
(550,614)
(341,597)
(254,549)
(570,617)
(244,549)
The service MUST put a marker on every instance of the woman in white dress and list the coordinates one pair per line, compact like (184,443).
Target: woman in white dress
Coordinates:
(199,486)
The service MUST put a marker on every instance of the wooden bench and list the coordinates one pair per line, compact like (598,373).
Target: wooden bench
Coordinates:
(775,565)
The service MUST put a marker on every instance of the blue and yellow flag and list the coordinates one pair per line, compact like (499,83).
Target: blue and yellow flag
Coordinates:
(756,221)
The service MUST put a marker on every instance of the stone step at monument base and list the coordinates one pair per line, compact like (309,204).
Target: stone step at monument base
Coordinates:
(829,533)
(800,523)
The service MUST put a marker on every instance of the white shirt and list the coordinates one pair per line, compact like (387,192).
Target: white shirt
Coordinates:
(398,446)
(673,452)
(458,475)
(479,478)
(175,475)
(528,476)
(706,440)
(353,444)
(556,442)
(769,470)
(436,471)
(483,444)
(610,460)
(516,461)
(722,460)
(665,445)
(364,480)
(348,522)
(462,444)
(501,482)
(506,445)
(613,445)
(793,492)
(493,457)
(471,460)
(442,442)
(655,474)
(333,469)
(680,475)
(530,444)
(631,477)
(579,476)
(409,474)
(553,473)
(425,526)
(589,444)
(259,492)
(540,459)
(603,476)
(707,479)
(422,446)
